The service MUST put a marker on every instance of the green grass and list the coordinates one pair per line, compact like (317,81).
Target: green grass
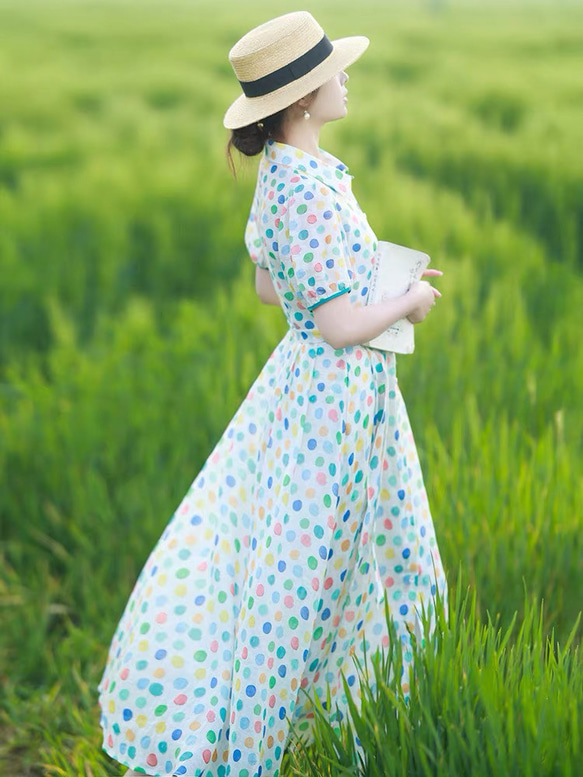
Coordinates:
(130,332)
(485,701)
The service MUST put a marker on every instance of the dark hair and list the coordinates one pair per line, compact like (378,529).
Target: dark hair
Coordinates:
(250,140)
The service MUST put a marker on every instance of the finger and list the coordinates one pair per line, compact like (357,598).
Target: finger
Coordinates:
(432,271)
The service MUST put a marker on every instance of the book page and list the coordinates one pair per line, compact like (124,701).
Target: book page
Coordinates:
(396,267)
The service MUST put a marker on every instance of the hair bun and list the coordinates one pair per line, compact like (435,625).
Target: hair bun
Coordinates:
(250,140)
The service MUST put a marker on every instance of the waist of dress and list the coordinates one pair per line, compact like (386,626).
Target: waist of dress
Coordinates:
(310,339)
(320,345)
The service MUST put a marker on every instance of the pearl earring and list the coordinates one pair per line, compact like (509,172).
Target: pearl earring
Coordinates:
(306,115)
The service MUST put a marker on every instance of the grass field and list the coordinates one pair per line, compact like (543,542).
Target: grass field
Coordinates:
(130,332)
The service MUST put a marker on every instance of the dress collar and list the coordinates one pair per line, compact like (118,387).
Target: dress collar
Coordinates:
(330,171)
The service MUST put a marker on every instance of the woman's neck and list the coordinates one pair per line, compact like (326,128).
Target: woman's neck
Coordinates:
(302,136)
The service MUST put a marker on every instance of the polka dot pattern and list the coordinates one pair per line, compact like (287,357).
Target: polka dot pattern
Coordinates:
(308,513)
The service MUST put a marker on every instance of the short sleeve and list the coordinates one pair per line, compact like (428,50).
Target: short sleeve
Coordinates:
(253,240)
(315,246)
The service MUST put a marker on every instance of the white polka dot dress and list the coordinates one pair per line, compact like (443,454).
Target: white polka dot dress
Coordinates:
(309,511)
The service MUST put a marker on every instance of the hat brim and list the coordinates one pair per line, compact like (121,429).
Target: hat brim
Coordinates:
(245,110)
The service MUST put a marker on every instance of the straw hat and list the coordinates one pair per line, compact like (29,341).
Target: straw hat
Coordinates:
(283,60)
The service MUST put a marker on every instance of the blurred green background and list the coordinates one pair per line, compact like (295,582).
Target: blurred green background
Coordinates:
(130,330)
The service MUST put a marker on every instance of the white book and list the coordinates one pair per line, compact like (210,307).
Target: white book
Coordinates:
(395,268)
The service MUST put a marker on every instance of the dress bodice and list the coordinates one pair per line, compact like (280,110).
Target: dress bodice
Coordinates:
(307,228)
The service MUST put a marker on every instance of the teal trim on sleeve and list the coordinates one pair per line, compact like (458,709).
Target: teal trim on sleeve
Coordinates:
(325,299)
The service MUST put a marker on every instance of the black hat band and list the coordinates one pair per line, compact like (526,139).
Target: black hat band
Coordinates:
(290,72)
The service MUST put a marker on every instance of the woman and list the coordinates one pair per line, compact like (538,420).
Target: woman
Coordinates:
(311,509)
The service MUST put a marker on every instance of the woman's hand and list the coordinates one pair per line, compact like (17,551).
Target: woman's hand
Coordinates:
(423,294)
(431,271)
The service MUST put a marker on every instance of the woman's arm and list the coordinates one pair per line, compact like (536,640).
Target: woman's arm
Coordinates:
(264,287)
(340,323)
